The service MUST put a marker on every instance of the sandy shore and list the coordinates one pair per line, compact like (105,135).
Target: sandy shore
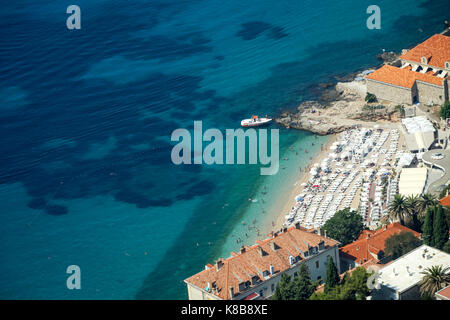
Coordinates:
(289,199)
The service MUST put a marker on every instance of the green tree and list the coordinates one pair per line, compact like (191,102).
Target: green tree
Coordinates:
(440,229)
(400,109)
(413,219)
(332,278)
(400,244)
(352,287)
(345,226)
(300,288)
(399,209)
(370,97)
(357,283)
(434,279)
(427,234)
(426,200)
(281,291)
(445,110)
(446,247)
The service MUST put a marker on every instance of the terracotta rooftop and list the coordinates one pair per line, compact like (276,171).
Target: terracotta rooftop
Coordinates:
(253,263)
(445,201)
(436,49)
(370,243)
(444,293)
(402,77)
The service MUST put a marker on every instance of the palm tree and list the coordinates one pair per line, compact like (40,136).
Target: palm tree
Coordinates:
(426,200)
(399,209)
(412,203)
(435,278)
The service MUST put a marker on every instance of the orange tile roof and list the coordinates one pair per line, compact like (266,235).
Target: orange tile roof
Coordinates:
(436,49)
(243,266)
(445,201)
(402,77)
(366,249)
(444,292)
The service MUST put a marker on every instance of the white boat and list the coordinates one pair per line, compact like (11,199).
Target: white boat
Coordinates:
(255,121)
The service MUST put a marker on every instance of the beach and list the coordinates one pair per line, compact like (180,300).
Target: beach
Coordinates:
(289,199)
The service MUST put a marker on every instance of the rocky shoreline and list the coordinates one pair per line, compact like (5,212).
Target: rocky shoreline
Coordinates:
(340,106)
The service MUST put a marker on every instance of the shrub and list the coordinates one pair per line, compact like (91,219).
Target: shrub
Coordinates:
(445,110)
(370,98)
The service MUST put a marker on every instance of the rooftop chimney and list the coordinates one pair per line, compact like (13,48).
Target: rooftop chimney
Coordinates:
(219,264)
(325,232)
(272,270)
(273,245)
(261,252)
(318,231)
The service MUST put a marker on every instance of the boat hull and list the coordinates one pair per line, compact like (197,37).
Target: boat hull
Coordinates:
(246,123)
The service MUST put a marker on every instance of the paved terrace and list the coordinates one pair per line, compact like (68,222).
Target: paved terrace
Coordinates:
(443,164)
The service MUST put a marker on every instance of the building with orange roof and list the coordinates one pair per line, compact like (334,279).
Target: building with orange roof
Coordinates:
(423,76)
(445,201)
(443,294)
(370,246)
(254,272)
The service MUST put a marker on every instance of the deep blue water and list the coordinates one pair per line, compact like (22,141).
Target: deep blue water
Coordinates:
(86,118)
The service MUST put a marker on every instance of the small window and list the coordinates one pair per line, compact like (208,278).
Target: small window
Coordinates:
(447,65)
(261,293)
(272,287)
(319,278)
(317,264)
(295,274)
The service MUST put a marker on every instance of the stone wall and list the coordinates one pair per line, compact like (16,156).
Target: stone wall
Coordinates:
(389,92)
(429,94)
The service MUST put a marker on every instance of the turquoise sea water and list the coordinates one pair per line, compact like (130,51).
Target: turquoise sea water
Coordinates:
(86,118)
